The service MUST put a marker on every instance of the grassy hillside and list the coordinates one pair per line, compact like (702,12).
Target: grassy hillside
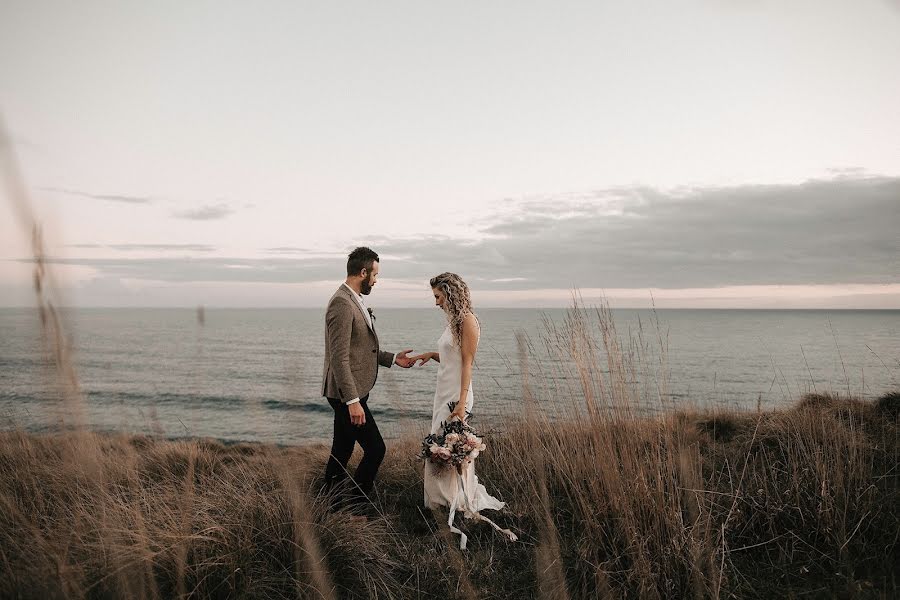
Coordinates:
(800,502)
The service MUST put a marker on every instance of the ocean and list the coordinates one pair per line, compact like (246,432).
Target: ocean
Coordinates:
(255,374)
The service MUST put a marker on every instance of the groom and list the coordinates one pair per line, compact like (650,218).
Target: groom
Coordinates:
(352,357)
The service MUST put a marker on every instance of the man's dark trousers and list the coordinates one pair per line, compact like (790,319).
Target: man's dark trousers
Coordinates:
(346,434)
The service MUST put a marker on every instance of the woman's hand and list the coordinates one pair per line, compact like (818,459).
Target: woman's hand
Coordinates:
(459,412)
(425,357)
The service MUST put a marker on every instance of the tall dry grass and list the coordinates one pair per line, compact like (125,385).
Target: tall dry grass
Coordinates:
(614,491)
(610,501)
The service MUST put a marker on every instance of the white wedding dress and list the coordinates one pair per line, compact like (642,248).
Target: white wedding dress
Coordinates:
(445,487)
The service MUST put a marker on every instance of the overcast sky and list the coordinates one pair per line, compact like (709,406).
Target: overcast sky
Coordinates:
(710,153)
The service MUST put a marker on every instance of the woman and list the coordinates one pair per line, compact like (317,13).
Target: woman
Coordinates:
(456,354)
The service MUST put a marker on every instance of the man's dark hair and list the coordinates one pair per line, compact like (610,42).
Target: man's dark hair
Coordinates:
(359,259)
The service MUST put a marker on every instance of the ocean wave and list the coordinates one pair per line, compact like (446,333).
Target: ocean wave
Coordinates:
(213,402)
(386,413)
(169,398)
(318,407)
(23,362)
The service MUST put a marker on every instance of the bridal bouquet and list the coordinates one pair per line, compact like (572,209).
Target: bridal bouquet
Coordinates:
(456,443)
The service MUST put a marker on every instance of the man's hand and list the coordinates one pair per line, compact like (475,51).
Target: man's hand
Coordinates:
(357,414)
(401,360)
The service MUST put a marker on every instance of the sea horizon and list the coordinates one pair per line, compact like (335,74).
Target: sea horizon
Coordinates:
(254,374)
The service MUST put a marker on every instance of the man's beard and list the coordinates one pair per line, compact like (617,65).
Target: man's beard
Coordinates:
(365,287)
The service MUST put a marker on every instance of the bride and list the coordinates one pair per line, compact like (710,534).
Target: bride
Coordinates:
(460,491)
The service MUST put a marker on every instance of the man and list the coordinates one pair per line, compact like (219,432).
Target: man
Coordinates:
(352,357)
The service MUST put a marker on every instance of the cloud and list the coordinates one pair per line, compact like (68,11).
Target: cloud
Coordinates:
(275,270)
(106,197)
(103,291)
(306,254)
(163,247)
(210,212)
(287,250)
(841,230)
(16,295)
(821,232)
(150,247)
(21,142)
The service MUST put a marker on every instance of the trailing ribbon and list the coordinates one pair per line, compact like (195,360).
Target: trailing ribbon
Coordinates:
(512,537)
(463,539)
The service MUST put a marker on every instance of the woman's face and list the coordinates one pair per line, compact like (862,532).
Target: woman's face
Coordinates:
(439,298)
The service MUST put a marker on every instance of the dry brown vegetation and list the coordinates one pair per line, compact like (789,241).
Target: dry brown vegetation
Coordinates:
(798,502)
(624,495)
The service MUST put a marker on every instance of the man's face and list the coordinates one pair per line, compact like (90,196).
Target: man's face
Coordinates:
(370,279)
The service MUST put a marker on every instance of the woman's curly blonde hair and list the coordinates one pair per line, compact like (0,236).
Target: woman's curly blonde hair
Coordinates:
(458,302)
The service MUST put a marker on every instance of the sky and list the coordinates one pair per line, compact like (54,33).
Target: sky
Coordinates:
(724,154)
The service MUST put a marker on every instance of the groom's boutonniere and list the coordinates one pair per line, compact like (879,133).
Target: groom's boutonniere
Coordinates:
(371,314)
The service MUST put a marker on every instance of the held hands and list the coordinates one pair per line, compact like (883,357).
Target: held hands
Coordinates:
(422,357)
(402,360)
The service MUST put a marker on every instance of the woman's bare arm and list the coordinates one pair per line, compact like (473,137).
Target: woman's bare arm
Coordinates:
(468,346)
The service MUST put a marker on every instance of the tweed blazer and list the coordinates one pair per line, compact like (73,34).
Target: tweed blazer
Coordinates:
(352,354)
